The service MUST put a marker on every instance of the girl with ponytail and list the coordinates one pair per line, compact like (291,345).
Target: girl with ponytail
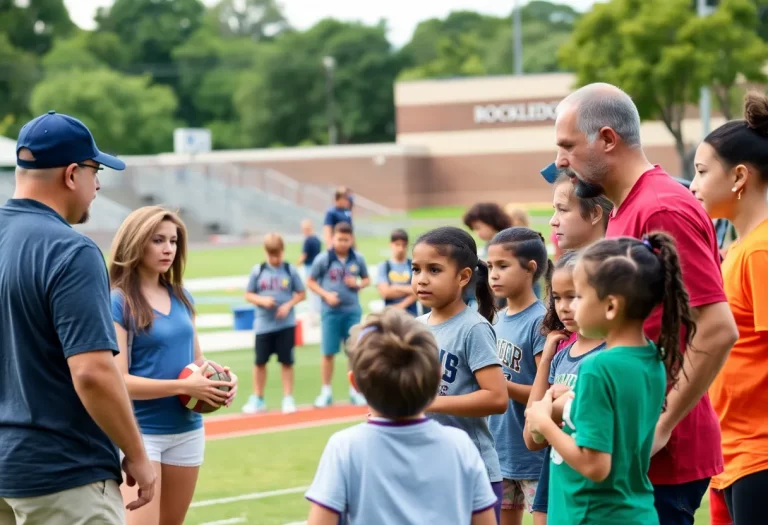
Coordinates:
(731,182)
(517,258)
(601,456)
(472,386)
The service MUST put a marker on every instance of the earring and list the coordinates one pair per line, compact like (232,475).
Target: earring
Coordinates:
(738,197)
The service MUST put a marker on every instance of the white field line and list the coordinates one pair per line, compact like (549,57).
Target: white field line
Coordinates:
(248,497)
(293,523)
(285,428)
(231,521)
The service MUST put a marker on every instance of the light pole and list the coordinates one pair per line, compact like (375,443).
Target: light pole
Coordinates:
(705,98)
(517,31)
(330,65)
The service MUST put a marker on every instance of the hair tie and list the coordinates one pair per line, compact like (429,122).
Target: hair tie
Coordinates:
(367,330)
(648,245)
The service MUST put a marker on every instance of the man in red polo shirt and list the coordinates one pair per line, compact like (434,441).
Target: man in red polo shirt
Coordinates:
(598,141)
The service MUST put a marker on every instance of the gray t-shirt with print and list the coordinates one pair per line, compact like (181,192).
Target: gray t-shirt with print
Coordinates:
(519,341)
(280,284)
(467,343)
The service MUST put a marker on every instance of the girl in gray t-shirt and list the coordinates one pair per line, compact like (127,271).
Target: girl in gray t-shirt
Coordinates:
(472,386)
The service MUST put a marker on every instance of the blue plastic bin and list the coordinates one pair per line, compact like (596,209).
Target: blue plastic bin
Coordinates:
(244,317)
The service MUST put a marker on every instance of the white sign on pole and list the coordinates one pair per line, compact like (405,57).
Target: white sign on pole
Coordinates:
(191,140)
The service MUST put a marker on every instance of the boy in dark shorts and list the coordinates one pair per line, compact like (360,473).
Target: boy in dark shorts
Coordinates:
(274,287)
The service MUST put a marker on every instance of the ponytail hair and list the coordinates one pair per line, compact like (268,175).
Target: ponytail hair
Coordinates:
(486,303)
(647,274)
(551,322)
(676,313)
(459,246)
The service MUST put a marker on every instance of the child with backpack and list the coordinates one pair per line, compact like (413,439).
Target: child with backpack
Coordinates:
(337,276)
(274,287)
(394,281)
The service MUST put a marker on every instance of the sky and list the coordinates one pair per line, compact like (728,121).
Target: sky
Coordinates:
(402,15)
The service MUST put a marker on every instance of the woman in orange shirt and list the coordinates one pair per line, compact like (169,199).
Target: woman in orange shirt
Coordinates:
(732,183)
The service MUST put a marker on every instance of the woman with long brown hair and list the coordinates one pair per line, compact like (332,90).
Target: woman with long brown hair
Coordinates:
(151,308)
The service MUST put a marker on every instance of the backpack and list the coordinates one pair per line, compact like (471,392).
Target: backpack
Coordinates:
(286,266)
(388,268)
(332,257)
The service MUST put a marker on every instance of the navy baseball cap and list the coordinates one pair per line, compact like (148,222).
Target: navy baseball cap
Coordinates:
(57,140)
(550,173)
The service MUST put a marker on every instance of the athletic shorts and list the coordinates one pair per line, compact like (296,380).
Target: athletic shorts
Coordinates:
(718,510)
(281,343)
(519,494)
(335,329)
(178,450)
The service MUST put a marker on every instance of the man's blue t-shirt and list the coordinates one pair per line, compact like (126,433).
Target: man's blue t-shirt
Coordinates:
(54,304)
(336,215)
(311,249)
(161,352)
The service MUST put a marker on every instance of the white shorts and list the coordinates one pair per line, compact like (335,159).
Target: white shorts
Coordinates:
(179,450)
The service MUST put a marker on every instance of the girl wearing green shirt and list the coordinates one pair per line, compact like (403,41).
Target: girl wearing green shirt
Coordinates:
(600,458)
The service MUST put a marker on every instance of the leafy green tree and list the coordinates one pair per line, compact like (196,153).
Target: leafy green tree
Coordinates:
(126,113)
(33,25)
(151,29)
(255,19)
(546,27)
(731,50)
(457,56)
(210,70)
(283,100)
(18,73)
(431,35)
(649,49)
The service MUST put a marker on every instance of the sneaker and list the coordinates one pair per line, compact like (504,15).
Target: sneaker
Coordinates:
(289,407)
(323,400)
(254,405)
(358,399)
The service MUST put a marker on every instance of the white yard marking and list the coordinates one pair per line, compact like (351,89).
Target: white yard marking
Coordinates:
(247,497)
(231,521)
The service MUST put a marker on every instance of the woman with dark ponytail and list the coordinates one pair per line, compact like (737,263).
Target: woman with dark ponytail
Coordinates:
(472,385)
(601,456)
(732,182)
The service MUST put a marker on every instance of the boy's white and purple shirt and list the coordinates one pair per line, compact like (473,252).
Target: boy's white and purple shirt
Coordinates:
(408,472)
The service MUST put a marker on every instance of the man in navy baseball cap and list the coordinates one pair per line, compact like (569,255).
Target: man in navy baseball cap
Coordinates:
(57,164)
(64,409)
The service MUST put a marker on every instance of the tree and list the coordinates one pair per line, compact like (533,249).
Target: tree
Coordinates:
(457,56)
(18,73)
(255,19)
(283,99)
(731,50)
(648,48)
(126,113)
(546,27)
(431,35)
(210,69)
(34,26)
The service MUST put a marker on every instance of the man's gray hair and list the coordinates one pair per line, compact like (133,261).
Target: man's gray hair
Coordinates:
(602,105)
